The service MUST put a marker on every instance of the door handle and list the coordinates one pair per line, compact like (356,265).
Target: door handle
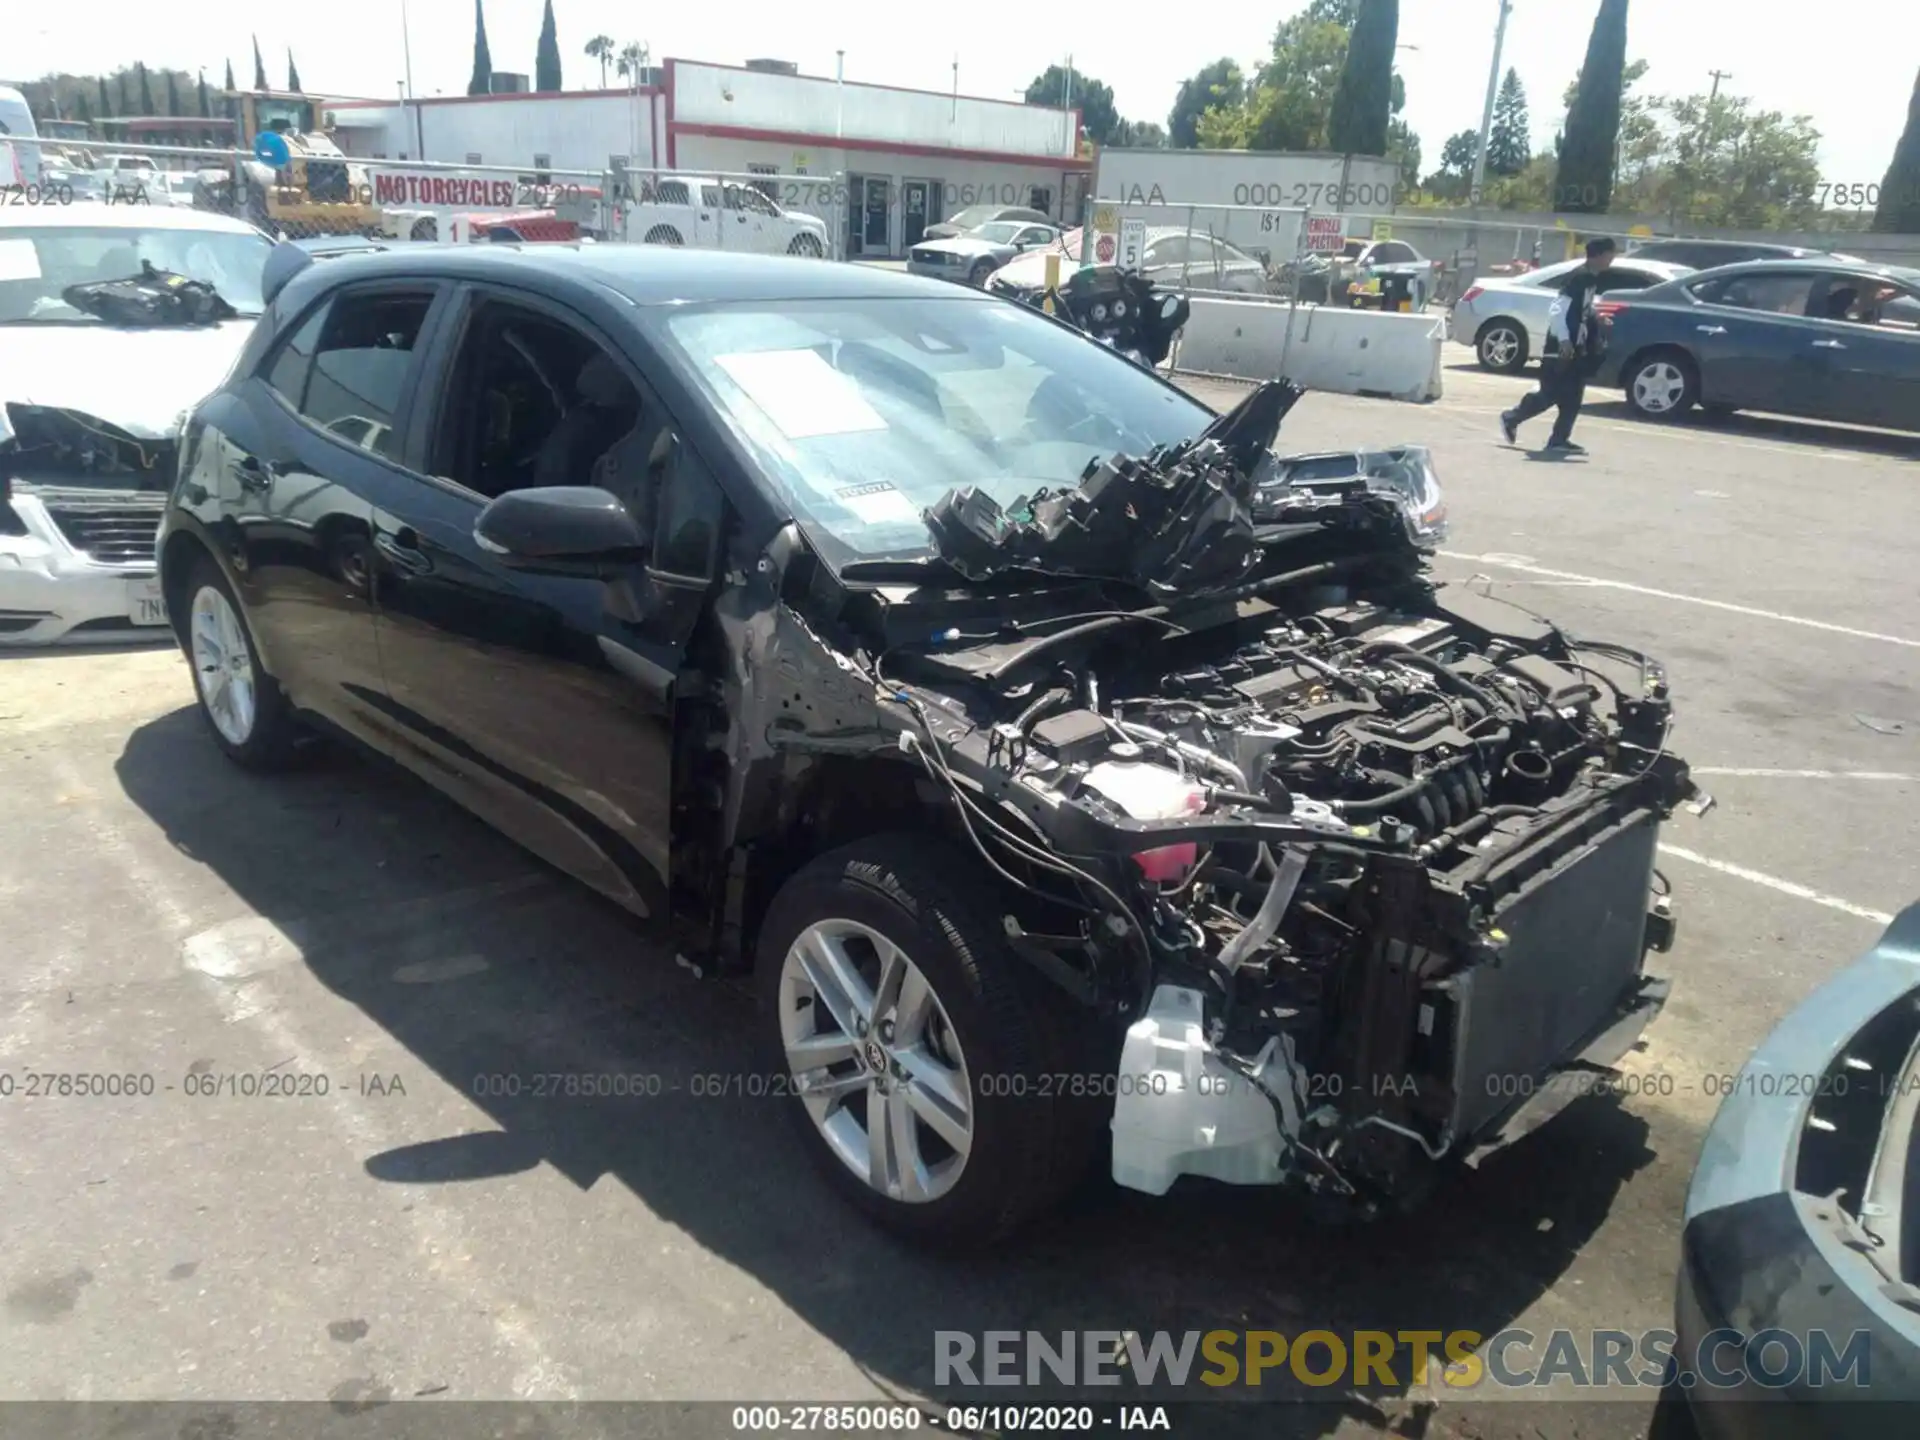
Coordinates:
(1828,345)
(1711,329)
(402,550)
(256,474)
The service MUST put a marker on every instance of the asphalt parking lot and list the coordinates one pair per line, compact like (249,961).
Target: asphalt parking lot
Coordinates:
(408,1234)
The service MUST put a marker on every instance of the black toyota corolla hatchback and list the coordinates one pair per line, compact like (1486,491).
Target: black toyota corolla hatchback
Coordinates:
(1064,763)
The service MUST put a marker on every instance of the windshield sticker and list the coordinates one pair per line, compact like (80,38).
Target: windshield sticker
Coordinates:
(19,260)
(878,504)
(801,393)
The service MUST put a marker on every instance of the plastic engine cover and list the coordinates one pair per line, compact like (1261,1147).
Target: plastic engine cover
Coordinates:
(1180,1110)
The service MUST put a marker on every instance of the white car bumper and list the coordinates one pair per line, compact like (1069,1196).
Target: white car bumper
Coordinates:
(52,588)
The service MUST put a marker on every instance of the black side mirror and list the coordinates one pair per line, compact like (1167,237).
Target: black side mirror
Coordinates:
(577,530)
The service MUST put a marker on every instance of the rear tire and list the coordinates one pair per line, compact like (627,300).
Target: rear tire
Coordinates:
(1661,384)
(663,235)
(806,245)
(999,1035)
(1502,347)
(242,705)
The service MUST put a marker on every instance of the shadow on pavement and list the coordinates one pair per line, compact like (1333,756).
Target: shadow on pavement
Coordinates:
(346,854)
(1814,434)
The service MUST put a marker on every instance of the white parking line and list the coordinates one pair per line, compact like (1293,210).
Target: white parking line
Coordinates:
(1746,773)
(1773,882)
(1506,562)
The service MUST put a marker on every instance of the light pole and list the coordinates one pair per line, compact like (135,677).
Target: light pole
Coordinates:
(1486,116)
(406,49)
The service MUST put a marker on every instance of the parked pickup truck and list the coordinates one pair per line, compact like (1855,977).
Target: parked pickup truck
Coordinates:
(710,214)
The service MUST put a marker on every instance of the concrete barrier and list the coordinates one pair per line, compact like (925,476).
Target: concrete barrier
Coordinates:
(1346,352)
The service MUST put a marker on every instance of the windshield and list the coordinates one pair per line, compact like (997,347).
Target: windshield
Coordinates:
(1000,232)
(863,413)
(37,264)
(974,215)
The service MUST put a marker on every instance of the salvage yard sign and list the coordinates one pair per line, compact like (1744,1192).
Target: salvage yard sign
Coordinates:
(1326,234)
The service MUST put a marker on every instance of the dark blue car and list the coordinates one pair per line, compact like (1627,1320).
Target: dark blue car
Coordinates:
(1825,339)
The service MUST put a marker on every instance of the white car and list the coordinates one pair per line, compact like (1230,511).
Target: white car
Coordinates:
(705,213)
(90,410)
(1504,318)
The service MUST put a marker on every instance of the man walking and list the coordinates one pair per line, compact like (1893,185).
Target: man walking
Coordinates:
(1576,336)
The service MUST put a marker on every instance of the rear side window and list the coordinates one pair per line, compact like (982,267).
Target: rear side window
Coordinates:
(359,368)
(288,372)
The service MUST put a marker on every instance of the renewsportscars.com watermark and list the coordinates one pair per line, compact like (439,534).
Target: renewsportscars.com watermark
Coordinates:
(1459,1360)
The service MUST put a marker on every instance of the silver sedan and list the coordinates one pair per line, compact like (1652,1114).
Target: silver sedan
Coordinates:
(1504,318)
(974,256)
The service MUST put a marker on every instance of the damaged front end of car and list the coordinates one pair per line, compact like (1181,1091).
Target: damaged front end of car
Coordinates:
(1358,867)
(80,505)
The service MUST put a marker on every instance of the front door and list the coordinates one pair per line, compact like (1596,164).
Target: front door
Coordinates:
(1754,341)
(1870,368)
(875,215)
(913,203)
(543,703)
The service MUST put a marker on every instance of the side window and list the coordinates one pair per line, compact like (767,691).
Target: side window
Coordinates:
(1172,250)
(710,196)
(754,197)
(534,402)
(1032,235)
(360,368)
(672,192)
(287,371)
(1770,294)
(690,514)
(1618,279)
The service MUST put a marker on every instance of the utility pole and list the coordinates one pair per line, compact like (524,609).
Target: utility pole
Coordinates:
(1486,116)
(419,123)
(1718,76)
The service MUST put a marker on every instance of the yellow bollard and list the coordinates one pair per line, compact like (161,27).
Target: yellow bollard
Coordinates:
(1053,280)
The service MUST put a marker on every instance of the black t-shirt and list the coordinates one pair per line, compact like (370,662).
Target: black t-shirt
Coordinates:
(1583,321)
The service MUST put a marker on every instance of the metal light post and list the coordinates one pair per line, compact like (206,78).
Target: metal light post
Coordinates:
(419,125)
(1486,116)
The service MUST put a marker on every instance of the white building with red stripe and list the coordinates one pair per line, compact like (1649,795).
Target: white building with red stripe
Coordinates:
(885,161)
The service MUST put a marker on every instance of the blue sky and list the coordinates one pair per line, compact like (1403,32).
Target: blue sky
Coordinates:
(1850,66)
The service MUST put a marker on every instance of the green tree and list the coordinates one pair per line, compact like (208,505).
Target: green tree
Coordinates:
(1510,142)
(1092,98)
(1457,155)
(1141,135)
(481,82)
(1898,212)
(1584,184)
(82,110)
(106,100)
(259,67)
(1403,148)
(205,100)
(1339,12)
(293,74)
(173,94)
(146,89)
(230,85)
(631,63)
(546,56)
(1363,99)
(1220,83)
(600,48)
(1728,164)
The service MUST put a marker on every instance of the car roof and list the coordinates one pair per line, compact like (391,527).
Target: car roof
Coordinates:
(91,215)
(1815,264)
(650,274)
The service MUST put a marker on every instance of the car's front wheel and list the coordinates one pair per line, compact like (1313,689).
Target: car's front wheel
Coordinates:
(930,1073)
(241,703)
(1502,346)
(1662,385)
(977,276)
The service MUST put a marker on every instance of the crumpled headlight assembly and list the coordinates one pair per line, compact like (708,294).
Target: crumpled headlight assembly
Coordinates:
(1408,475)
(1404,474)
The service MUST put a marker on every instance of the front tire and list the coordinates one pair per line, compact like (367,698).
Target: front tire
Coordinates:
(242,704)
(1502,347)
(930,1067)
(1661,385)
(977,276)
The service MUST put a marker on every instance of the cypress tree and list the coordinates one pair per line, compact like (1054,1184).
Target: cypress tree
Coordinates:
(259,67)
(106,100)
(482,81)
(1363,100)
(293,74)
(546,59)
(173,94)
(230,85)
(206,103)
(1898,212)
(146,88)
(1584,185)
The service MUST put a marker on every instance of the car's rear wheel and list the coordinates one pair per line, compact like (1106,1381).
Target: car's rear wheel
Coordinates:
(930,1071)
(1502,346)
(1662,385)
(807,245)
(242,704)
(663,235)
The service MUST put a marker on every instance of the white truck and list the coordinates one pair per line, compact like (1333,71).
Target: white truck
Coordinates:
(710,213)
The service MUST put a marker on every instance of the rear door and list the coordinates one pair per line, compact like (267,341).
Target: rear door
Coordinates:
(1754,340)
(310,440)
(545,704)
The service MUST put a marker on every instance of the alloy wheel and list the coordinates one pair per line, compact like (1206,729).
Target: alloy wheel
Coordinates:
(875,1060)
(222,665)
(1499,348)
(1658,387)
